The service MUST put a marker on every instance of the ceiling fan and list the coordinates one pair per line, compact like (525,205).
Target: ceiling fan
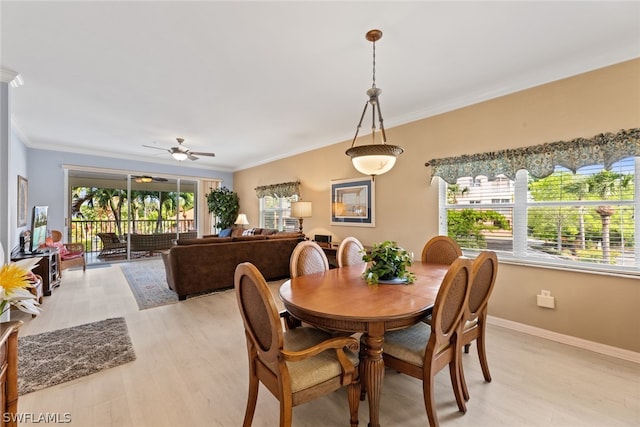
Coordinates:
(146,178)
(180,152)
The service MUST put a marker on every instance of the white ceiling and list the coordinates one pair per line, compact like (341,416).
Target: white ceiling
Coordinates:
(257,81)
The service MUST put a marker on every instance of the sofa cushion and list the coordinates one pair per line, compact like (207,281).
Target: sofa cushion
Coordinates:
(225,233)
(268,231)
(237,231)
(245,238)
(186,242)
(284,235)
(249,232)
(71,255)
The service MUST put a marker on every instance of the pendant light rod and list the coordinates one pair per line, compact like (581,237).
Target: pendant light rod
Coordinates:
(373,159)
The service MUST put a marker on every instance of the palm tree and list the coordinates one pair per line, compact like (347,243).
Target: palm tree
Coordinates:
(607,184)
(108,200)
(453,191)
(580,188)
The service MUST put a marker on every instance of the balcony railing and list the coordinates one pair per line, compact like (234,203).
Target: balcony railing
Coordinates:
(86,232)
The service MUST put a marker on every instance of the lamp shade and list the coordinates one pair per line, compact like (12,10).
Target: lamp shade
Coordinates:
(241,220)
(301,209)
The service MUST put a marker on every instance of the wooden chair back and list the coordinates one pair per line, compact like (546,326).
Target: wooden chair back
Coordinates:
(259,314)
(484,272)
(438,343)
(441,250)
(278,359)
(349,252)
(307,258)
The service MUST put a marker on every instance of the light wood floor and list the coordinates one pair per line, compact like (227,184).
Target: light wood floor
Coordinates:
(191,370)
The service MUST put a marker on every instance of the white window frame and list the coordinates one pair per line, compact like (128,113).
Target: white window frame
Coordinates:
(283,213)
(520,205)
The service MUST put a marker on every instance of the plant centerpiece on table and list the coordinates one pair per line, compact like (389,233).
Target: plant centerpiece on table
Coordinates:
(388,261)
(224,204)
(15,279)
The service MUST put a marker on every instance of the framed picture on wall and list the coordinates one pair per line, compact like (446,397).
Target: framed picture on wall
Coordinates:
(23,192)
(353,202)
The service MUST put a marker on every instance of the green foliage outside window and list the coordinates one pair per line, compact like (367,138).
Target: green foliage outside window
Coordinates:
(466,226)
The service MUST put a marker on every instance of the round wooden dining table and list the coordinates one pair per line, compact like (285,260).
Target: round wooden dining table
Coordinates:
(340,299)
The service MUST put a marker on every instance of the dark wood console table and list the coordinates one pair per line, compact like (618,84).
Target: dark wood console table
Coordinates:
(48,268)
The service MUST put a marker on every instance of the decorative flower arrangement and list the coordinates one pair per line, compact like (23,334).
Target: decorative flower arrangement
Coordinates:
(15,279)
(388,261)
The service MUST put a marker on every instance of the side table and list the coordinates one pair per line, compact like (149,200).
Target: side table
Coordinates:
(331,251)
(48,268)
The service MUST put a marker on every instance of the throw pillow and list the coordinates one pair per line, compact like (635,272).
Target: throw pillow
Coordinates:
(225,233)
(248,232)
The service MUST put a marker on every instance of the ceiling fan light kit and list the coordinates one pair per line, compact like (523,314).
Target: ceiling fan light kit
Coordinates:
(179,155)
(145,179)
(180,152)
(373,159)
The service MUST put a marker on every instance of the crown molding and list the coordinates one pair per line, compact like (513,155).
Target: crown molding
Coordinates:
(10,77)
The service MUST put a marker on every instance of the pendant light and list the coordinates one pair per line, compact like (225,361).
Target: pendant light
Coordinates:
(373,159)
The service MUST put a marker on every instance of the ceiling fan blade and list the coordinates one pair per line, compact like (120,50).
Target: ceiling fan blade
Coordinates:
(157,148)
(190,156)
(203,154)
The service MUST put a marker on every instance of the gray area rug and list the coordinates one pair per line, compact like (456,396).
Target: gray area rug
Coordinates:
(51,358)
(148,283)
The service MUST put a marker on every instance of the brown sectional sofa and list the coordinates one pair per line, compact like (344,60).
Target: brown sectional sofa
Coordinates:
(156,242)
(195,266)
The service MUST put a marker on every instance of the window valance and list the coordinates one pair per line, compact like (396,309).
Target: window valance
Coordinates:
(283,189)
(540,160)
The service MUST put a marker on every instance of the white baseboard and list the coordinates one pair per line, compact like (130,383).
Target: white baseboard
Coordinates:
(608,350)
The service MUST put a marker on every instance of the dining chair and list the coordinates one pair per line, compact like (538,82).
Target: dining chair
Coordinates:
(484,271)
(423,350)
(350,252)
(307,258)
(296,366)
(441,250)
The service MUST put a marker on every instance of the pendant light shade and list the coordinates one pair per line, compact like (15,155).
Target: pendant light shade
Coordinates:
(373,159)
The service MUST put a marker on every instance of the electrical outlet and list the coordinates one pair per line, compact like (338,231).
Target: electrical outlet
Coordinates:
(546,300)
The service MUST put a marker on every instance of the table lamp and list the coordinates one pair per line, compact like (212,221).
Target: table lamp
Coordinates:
(301,210)
(242,220)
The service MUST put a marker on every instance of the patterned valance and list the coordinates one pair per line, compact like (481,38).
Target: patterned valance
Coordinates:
(284,189)
(540,160)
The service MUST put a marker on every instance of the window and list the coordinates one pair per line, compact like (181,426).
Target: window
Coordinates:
(275,213)
(586,219)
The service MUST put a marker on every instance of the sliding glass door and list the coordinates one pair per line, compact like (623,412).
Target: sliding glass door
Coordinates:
(121,216)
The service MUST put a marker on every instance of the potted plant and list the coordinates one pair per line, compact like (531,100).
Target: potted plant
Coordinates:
(224,204)
(388,263)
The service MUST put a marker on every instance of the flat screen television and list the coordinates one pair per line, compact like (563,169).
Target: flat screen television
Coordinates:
(39,228)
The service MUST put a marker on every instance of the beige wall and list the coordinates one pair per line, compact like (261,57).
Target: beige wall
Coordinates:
(598,308)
